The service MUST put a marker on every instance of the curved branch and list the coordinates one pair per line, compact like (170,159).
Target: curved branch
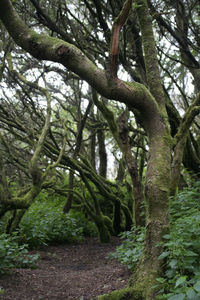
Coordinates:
(118,24)
(48,48)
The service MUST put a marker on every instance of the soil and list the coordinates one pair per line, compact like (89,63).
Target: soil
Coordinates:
(71,272)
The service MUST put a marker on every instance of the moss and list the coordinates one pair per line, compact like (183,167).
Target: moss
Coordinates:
(169,139)
(143,281)
(124,294)
(108,223)
(140,87)
(103,232)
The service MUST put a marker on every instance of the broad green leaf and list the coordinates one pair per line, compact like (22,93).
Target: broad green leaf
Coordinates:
(197,286)
(173,263)
(191,295)
(166,236)
(177,297)
(190,253)
(180,281)
(164,254)
(161,280)
(170,273)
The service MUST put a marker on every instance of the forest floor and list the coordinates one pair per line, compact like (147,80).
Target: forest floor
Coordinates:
(68,272)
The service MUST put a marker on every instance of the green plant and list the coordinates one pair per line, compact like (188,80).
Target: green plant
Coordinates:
(182,248)
(13,255)
(130,251)
(181,255)
(45,223)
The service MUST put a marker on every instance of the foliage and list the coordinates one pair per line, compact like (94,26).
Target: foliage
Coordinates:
(182,248)
(13,255)
(181,254)
(45,223)
(129,252)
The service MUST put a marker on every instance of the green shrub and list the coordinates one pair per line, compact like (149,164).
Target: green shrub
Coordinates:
(13,255)
(182,248)
(45,223)
(130,251)
(88,227)
(181,255)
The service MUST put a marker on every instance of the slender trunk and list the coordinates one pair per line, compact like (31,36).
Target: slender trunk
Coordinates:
(92,149)
(80,127)
(138,206)
(176,166)
(102,154)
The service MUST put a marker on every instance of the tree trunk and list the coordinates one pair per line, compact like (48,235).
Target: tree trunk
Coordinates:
(138,205)
(157,210)
(102,154)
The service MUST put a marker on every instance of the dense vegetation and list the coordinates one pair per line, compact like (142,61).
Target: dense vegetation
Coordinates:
(181,275)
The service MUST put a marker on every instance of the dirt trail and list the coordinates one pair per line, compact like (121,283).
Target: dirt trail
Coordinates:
(70,272)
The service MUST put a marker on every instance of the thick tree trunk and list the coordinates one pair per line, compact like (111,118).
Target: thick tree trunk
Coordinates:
(157,208)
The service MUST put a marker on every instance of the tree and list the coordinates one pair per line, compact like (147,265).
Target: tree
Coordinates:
(145,98)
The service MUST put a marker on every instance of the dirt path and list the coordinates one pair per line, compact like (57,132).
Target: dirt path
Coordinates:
(70,272)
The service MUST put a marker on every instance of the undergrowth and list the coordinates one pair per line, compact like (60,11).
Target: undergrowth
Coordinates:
(13,255)
(181,280)
(45,223)
(130,250)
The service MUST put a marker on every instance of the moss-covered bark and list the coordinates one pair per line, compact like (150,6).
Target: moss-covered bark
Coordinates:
(158,168)
(103,231)
(117,217)
(180,140)
(102,222)
(14,221)
(124,294)
(157,219)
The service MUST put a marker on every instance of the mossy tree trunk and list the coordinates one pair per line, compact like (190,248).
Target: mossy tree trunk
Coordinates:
(96,214)
(180,140)
(159,166)
(157,219)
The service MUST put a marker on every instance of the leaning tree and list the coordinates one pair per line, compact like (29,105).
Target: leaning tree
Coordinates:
(145,97)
